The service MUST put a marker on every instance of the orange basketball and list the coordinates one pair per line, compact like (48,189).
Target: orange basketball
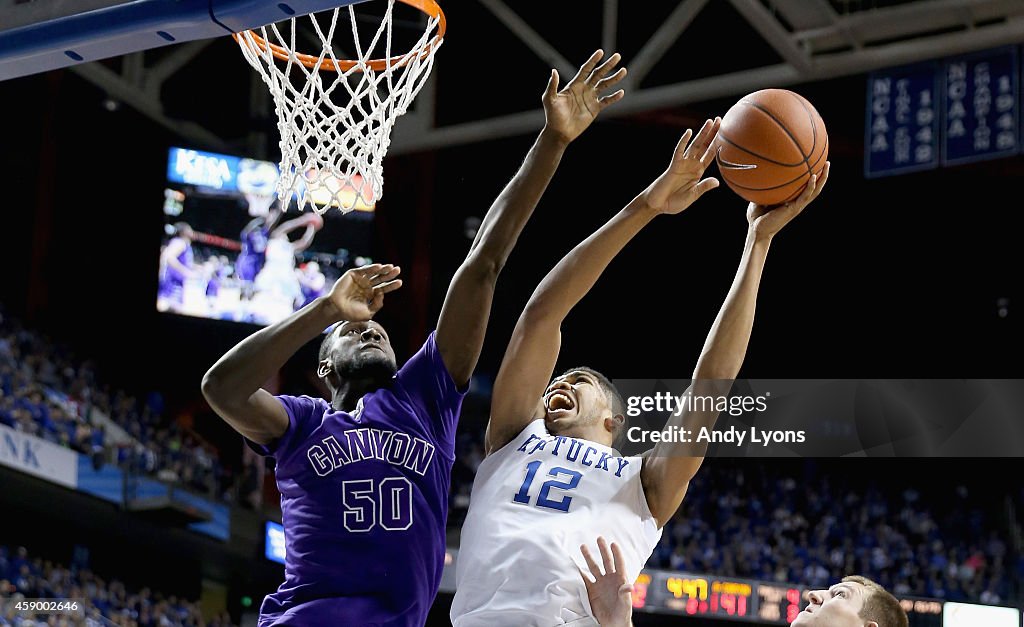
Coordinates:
(770,143)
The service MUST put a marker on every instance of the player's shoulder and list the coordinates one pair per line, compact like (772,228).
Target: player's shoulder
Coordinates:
(303,404)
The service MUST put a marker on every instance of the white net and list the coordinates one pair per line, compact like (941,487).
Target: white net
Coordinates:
(335,117)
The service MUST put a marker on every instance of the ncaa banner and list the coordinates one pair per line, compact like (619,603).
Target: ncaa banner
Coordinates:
(38,457)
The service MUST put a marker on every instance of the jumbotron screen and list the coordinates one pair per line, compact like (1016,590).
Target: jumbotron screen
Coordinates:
(231,252)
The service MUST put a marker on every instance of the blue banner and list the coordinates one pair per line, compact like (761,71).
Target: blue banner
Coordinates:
(902,130)
(982,111)
(203,169)
(221,173)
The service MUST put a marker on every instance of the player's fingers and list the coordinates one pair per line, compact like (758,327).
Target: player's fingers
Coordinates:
(702,141)
(588,67)
(620,560)
(603,69)
(552,88)
(822,179)
(586,580)
(591,564)
(606,556)
(386,273)
(390,286)
(709,152)
(626,590)
(611,99)
(681,146)
(367,270)
(605,83)
(705,186)
(808,194)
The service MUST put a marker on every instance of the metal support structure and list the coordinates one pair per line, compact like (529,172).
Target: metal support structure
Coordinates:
(609,25)
(813,39)
(530,37)
(773,32)
(663,38)
(172,63)
(818,67)
(133,95)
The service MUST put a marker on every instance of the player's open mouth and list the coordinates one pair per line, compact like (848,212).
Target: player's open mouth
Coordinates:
(377,346)
(558,401)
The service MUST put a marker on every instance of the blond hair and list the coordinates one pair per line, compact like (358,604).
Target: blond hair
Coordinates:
(879,605)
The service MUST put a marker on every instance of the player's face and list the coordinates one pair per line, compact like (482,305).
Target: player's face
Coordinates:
(839,606)
(362,349)
(574,400)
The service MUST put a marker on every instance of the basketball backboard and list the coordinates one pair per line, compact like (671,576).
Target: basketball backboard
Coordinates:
(41,35)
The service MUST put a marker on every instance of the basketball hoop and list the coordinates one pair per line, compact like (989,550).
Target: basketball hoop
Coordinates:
(335,116)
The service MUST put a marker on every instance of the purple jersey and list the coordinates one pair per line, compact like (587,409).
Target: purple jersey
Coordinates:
(172,280)
(254,253)
(364,500)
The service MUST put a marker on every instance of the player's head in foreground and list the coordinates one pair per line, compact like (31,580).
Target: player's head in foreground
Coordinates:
(854,602)
(582,403)
(357,353)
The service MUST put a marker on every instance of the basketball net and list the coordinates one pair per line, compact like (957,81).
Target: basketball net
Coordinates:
(335,116)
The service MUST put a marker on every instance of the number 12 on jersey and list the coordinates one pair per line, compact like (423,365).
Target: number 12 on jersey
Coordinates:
(571,480)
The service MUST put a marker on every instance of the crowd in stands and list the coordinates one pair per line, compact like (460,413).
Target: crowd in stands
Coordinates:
(813,522)
(46,392)
(806,524)
(105,602)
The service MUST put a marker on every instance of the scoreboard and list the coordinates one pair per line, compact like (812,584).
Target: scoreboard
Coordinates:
(700,595)
(772,603)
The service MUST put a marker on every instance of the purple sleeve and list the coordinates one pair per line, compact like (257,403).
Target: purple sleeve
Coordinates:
(302,411)
(432,390)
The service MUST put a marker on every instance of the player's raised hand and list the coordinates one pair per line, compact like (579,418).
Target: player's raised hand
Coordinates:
(610,594)
(765,222)
(359,293)
(569,112)
(681,184)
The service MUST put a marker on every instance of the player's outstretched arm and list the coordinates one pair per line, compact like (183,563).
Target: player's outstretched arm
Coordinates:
(310,221)
(233,385)
(463,321)
(669,467)
(533,350)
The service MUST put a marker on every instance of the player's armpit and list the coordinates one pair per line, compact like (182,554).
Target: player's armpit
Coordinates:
(261,418)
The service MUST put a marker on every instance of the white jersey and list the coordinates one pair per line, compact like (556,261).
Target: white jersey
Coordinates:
(534,502)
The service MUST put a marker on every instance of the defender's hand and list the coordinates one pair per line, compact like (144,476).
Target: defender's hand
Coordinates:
(765,222)
(680,185)
(611,596)
(359,293)
(569,112)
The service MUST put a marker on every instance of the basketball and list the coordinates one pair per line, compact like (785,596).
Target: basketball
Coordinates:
(770,143)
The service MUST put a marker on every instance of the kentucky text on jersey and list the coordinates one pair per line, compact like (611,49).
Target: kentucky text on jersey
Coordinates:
(393,447)
(571,449)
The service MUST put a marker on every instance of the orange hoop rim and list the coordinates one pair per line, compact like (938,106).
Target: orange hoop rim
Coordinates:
(430,7)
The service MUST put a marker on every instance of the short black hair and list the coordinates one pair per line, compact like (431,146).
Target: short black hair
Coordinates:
(325,345)
(618,405)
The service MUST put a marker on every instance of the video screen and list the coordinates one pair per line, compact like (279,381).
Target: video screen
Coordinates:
(274,548)
(231,252)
